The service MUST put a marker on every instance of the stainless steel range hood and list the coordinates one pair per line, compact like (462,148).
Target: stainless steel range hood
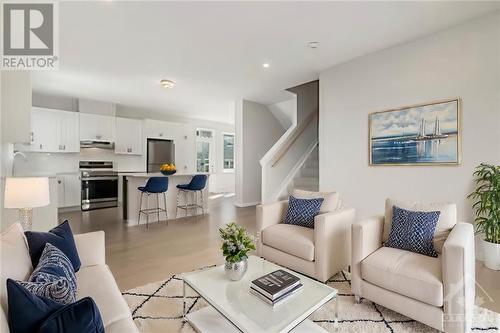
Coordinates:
(97,144)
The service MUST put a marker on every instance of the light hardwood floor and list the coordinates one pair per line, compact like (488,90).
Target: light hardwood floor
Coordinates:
(138,256)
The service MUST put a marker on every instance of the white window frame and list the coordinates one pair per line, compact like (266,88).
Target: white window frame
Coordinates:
(234,152)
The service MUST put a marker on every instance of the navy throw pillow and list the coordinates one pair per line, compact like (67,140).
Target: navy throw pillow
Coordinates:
(60,236)
(82,317)
(413,231)
(301,212)
(54,277)
(26,310)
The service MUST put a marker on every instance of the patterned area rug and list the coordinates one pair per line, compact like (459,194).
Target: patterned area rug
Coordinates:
(157,307)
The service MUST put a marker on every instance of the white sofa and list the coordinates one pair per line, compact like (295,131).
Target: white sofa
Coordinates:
(94,277)
(319,253)
(438,292)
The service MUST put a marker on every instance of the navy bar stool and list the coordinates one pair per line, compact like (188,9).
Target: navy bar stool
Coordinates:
(154,185)
(197,184)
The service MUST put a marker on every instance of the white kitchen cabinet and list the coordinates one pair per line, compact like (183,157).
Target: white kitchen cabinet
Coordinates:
(72,191)
(68,190)
(128,136)
(60,190)
(95,127)
(45,129)
(53,131)
(69,127)
(158,129)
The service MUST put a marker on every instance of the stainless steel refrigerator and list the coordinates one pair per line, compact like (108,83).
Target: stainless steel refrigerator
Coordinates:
(159,152)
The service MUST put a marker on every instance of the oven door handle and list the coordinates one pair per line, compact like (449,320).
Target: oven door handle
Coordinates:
(99,178)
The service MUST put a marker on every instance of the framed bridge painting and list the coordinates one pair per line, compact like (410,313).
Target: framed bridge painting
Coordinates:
(422,134)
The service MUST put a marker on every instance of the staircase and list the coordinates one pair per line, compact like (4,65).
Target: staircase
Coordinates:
(293,162)
(308,176)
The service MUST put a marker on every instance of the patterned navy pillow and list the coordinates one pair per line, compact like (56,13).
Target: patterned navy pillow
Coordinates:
(301,212)
(54,277)
(413,231)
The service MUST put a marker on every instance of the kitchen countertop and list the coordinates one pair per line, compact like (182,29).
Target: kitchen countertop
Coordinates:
(158,174)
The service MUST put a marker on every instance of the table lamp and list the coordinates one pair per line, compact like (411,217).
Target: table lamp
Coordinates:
(26,193)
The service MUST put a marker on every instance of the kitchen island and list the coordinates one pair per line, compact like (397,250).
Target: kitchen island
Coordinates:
(131,197)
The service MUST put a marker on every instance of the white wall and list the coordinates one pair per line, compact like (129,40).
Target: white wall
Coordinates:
(285,112)
(257,130)
(460,62)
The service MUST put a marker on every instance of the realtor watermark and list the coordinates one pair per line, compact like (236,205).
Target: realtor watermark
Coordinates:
(30,35)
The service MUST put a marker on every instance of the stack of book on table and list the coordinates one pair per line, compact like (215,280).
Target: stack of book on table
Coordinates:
(276,287)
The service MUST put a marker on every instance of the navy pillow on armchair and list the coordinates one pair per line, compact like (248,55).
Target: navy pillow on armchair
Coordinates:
(301,212)
(60,236)
(413,231)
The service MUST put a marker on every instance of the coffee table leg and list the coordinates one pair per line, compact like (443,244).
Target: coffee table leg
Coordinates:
(183,300)
(336,318)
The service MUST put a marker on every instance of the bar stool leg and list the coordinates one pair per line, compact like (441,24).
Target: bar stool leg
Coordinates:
(140,207)
(202,203)
(147,214)
(177,206)
(196,202)
(186,202)
(165,204)
(158,206)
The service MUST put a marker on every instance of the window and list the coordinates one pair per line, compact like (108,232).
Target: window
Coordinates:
(228,141)
(204,139)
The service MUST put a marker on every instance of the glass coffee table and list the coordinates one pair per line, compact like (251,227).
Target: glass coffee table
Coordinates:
(234,309)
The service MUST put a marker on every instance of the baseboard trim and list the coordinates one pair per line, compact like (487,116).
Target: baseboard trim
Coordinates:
(246,204)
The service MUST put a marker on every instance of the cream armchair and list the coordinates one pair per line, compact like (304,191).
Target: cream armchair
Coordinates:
(319,253)
(438,292)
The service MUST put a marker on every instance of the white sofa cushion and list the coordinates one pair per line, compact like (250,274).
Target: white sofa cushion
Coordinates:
(98,282)
(406,273)
(446,222)
(291,239)
(331,200)
(121,326)
(16,261)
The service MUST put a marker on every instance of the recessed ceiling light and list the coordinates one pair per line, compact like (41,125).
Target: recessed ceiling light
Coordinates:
(313,45)
(167,83)
(265,65)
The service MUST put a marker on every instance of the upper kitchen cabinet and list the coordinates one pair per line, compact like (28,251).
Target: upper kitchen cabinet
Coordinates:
(53,131)
(44,131)
(16,106)
(69,126)
(95,127)
(157,129)
(128,136)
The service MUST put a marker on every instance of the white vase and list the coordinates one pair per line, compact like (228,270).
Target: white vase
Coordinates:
(491,255)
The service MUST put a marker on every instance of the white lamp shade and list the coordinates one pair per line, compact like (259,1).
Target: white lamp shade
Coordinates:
(26,192)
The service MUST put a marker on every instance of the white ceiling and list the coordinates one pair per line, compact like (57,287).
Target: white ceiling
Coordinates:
(118,51)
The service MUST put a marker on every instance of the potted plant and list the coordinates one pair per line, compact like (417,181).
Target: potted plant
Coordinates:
(236,243)
(487,207)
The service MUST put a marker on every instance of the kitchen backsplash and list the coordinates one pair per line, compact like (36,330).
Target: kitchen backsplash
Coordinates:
(47,163)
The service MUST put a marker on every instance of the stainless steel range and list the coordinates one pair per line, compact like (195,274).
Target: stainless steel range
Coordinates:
(99,185)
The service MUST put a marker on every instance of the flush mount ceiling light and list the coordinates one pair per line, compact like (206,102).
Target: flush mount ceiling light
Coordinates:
(167,83)
(265,65)
(313,45)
